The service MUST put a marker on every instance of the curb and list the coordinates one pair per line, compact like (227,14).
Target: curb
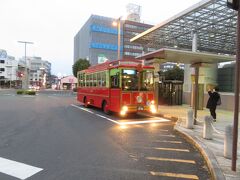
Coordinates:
(209,157)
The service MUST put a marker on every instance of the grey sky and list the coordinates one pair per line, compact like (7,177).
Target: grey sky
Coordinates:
(52,24)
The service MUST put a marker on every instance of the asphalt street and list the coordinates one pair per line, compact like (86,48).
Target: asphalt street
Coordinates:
(61,140)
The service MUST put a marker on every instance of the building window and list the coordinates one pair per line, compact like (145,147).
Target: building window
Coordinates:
(2,69)
(2,61)
(132,54)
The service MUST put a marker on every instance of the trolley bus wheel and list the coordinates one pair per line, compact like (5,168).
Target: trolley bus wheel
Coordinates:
(86,105)
(105,108)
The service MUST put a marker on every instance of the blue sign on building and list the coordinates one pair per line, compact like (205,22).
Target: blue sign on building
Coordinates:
(112,47)
(103,29)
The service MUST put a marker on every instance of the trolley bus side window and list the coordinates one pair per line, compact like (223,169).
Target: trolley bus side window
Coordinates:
(115,78)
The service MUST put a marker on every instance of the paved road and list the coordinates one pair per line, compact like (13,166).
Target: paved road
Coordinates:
(57,139)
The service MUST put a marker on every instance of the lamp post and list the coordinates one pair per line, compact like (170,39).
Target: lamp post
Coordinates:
(25,84)
(118,24)
(234,4)
(43,74)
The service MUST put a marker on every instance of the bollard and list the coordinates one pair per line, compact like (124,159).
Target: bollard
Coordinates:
(228,141)
(207,128)
(189,121)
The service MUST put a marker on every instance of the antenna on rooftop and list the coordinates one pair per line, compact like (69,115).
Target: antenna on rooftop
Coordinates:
(133,12)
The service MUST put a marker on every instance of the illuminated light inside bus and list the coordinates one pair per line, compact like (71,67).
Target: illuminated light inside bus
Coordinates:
(125,108)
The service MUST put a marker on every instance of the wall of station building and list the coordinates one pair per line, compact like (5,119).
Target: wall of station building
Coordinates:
(223,78)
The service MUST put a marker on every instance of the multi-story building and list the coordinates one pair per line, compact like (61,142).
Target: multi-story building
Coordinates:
(39,72)
(97,40)
(130,30)
(8,69)
(3,58)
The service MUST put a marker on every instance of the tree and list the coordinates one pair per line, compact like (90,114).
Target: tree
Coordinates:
(174,74)
(79,65)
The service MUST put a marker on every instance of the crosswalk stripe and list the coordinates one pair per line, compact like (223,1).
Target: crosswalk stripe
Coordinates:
(17,169)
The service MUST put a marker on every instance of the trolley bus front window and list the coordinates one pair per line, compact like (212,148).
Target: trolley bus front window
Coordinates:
(147,80)
(129,80)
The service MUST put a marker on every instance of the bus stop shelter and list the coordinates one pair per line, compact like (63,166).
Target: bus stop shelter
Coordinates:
(201,35)
(195,59)
(208,26)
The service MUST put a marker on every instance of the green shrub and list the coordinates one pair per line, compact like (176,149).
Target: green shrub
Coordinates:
(30,92)
(20,91)
(26,92)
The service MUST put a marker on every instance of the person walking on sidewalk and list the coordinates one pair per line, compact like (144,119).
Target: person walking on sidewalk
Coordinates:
(213,101)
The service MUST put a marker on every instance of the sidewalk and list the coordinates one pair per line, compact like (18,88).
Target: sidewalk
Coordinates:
(212,150)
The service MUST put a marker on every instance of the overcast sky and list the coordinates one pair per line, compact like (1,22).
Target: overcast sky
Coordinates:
(52,24)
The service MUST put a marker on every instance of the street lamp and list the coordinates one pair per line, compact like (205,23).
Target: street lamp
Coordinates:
(25,85)
(118,24)
(43,74)
(234,4)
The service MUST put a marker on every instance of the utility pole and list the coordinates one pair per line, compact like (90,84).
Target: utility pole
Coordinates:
(25,81)
(118,24)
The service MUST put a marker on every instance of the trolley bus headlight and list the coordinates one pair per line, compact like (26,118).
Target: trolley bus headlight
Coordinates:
(122,113)
(123,110)
(153,109)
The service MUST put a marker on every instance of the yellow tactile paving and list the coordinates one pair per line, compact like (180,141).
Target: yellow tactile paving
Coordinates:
(175,175)
(171,160)
(166,135)
(173,142)
(171,149)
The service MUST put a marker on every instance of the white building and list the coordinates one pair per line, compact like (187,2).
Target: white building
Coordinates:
(67,83)
(8,69)
(39,71)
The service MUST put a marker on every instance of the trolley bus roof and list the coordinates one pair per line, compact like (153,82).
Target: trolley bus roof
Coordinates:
(123,63)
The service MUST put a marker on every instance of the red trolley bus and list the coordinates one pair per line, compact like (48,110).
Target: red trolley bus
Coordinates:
(123,86)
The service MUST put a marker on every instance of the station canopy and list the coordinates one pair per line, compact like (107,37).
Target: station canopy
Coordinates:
(214,23)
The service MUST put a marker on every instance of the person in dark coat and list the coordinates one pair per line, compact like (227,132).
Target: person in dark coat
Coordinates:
(212,102)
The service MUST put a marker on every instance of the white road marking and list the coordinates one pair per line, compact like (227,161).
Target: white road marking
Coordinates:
(108,119)
(17,169)
(26,96)
(144,122)
(123,123)
(84,109)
